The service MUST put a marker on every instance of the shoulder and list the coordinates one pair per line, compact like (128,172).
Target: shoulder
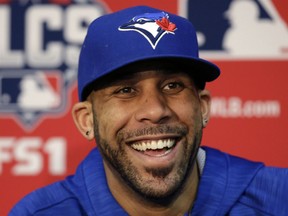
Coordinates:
(54,198)
(242,187)
(267,192)
(225,178)
(67,197)
(230,164)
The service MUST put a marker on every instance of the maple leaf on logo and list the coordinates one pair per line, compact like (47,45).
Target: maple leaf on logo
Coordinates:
(166,25)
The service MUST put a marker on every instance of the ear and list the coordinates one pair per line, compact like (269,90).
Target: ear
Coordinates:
(205,100)
(83,118)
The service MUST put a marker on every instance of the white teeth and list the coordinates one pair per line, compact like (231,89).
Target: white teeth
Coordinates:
(155,144)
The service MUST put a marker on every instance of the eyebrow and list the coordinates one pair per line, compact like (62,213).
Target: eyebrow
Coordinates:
(126,76)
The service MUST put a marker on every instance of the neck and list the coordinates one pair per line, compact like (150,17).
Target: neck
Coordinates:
(134,204)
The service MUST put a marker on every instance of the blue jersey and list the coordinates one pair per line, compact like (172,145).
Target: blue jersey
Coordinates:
(228,186)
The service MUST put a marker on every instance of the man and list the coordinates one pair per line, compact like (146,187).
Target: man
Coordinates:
(143,98)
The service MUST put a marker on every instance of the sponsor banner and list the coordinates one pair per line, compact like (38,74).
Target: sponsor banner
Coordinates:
(250,111)
(39,47)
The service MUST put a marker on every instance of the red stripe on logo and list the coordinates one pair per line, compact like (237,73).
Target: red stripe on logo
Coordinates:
(5,1)
(62,2)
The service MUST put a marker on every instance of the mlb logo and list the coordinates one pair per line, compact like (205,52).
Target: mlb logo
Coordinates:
(30,93)
(238,29)
(34,92)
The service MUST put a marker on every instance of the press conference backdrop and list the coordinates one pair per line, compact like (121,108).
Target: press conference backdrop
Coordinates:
(39,48)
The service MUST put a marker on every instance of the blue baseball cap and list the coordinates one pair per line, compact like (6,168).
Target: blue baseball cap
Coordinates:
(134,35)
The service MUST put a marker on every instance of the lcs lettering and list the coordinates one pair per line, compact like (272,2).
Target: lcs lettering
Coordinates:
(39,53)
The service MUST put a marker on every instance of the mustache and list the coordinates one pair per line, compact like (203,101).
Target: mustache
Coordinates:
(179,130)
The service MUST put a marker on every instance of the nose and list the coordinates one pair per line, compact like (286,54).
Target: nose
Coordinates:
(153,108)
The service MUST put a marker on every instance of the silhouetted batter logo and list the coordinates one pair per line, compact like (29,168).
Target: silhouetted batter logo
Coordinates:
(238,28)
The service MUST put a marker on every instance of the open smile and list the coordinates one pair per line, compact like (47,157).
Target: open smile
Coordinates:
(154,145)
(155,148)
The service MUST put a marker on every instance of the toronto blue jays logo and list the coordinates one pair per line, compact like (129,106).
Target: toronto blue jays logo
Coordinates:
(153,26)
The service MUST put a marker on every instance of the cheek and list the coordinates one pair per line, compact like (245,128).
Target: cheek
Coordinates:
(187,109)
(188,112)
(111,119)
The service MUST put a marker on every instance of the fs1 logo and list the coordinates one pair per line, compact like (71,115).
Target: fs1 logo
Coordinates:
(39,47)
(238,29)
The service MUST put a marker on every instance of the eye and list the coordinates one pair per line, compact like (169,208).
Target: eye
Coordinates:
(173,87)
(125,92)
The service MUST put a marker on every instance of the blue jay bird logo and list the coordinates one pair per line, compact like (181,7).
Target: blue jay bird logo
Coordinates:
(153,26)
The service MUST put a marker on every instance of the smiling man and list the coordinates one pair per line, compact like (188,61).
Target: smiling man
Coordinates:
(143,99)
(147,121)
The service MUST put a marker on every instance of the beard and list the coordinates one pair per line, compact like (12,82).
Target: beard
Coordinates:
(162,186)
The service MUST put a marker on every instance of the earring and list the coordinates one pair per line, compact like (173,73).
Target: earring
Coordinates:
(205,121)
